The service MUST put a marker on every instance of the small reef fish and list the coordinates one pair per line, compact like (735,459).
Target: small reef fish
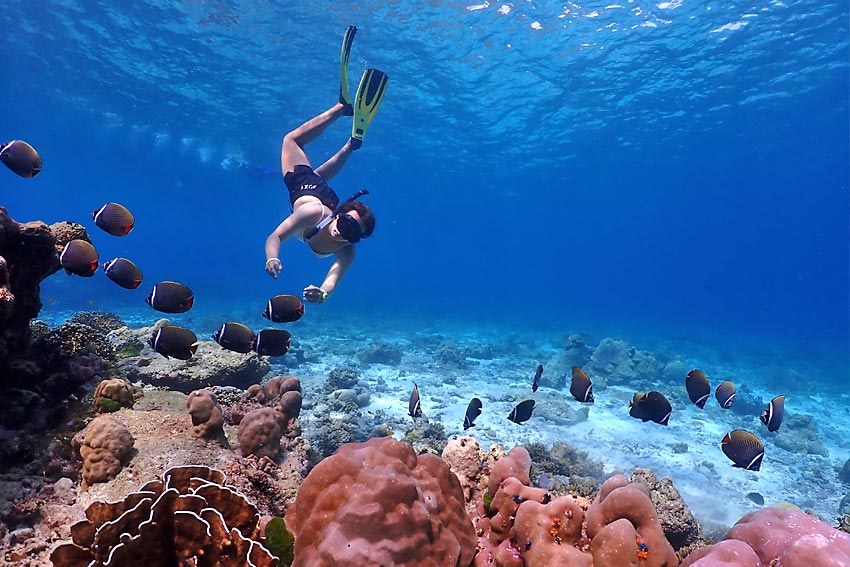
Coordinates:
(581,387)
(115,219)
(414,407)
(21,158)
(744,449)
(171,297)
(284,309)
(236,337)
(773,413)
(756,498)
(79,258)
(698,387)
(522,412)
(536,382)
(725,394)
(123,272)
(652,406)
(473,410)
(172,341)
(272,342)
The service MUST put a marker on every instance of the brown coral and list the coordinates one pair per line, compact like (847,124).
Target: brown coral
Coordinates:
(260,432)
(377,503)
(207,418)
(189,517)
(116,390)
(105,445)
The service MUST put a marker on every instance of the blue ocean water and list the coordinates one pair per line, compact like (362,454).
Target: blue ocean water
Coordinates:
(676,170)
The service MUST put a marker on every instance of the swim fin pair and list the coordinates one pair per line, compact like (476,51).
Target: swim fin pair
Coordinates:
(370,92)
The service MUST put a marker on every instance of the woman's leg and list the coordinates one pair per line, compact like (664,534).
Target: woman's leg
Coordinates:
(330,168)
(292,152)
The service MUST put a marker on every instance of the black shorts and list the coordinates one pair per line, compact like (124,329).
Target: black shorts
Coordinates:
(304,181)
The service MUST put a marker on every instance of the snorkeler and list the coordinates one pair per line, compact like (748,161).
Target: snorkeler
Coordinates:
(318,218)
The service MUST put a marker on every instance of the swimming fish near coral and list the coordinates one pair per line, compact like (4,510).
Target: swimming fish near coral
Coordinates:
(171,297)
(725,394)
(414,406)
(115,219)
(21,158)
(652,406)
(272,342)
(581,388)
(236,337)
(773,413)
(536,382)
(744,449)
(79,257)
(522,412)
(473,410)
(698,387)
(172,341)
(123,272)
(284,309)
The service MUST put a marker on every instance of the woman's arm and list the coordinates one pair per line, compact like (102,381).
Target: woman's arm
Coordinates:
(344,260)
(305,216)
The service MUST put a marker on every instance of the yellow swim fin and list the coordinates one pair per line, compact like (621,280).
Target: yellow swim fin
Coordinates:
(347,41)
(370,93)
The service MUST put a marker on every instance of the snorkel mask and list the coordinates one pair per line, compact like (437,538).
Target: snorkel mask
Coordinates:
(347,225)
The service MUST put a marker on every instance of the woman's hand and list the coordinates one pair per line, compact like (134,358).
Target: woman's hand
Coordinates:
(273,267)
(315,294)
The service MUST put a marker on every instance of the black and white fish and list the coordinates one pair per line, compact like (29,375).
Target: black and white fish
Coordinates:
(535,383)
(123,272)
(284,309)
(273,342)
(414,406)
(522,412)
(172,341)
(115,219)
(236,337)
(473,410)
(581,388)
(171,297)
(79,257)
(725,394)
(698,387)
(21,158)
(774,413)
(744,449)
(652,406)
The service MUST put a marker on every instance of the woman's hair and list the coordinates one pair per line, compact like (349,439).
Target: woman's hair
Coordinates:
(366,216)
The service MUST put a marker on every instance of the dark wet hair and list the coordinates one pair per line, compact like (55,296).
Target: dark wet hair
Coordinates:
(366,215)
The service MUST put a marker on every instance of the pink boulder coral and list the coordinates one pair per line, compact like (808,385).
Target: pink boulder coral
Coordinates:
(377,503)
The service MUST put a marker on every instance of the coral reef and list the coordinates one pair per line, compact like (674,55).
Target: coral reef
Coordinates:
(776,536)
(680,526)
(567,469)
(377,503)
(189,513)
(800,435)
(113,394)
(260,432)
(281,391)
(99,320)
(615,362)
(105,445)
(207,418)
(378,352)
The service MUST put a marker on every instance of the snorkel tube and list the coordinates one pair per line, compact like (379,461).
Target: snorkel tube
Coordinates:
(308,234)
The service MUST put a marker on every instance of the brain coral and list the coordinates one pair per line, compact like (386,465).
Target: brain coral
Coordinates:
(105,445)
(377,503)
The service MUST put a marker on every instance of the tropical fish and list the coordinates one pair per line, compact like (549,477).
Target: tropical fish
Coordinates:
(522,411)
(581,387)
(414,408)
(172,341)
(725,394)
(698,387)
(473,410)
(744,449)
(79,258)
(171,297)
(272,342)
(115,219)
(536,382)
(773,413)
(652,406)
(21,158)
(284,309)
(236,337)
(123,272)
(756,498)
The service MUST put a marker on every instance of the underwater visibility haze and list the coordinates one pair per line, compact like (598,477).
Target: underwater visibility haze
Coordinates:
(671,174)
